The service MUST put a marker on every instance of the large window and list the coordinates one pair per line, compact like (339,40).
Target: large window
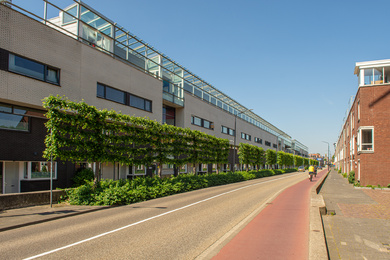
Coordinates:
(358,110)
(374,76)
(115,95)
(137,170)
(123,97)
(258,140)
(366,139)
(17,118)
(33,69)
(245,136)
(39,170)
(168,115)
(227,130)
(202,122)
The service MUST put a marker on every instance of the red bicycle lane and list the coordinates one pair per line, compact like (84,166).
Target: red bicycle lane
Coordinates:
(279,231)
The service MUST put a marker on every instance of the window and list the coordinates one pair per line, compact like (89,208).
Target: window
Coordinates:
(115,95)
(227,130)
(374,76)
(224,130)
(166,86)
(258,140)
(213,101)
(267,143)
(358,109)
(245,136)
(39,170)
(169,115)
(202,122)
(275,146)
(138,170)
(183,168)
(123,97)
(33,69)
(206,97)
(196,121)
(197,92)
(137,102)
(366,139)
(17,118)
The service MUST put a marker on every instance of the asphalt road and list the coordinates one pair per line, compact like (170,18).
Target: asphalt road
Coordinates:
(191,225)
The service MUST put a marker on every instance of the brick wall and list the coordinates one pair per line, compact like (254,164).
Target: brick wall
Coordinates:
(374,111)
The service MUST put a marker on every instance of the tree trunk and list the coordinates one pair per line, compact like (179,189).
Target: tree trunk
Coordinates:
(97,173)
(159,169)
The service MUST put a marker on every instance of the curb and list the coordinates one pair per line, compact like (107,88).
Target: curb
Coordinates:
(53,218)
(317,244)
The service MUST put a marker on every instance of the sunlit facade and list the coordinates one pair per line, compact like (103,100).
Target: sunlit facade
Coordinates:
(75,51)
(364,140)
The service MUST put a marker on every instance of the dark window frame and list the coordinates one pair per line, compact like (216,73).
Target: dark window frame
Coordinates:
(46,68)
(127,97)
(14,112)
(258,140)
(246,136)
(229,131)
(202,122)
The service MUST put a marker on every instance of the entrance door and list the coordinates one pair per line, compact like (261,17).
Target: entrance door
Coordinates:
(11,177)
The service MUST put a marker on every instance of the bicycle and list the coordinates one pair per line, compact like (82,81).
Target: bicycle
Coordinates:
(311,175)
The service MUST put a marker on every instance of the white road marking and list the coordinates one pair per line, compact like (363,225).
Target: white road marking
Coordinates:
(154,217)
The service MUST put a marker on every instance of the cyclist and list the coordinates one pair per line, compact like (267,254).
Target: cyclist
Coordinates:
(311,172)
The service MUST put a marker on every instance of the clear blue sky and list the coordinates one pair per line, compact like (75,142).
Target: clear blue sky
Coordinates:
(292,62)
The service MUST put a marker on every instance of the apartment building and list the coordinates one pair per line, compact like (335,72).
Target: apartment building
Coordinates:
(363,143)
(83,55)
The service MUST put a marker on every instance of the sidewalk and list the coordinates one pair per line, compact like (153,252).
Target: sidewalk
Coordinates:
(15,218)
(357,225)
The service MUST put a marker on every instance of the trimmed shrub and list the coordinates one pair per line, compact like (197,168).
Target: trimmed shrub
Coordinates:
(290,170)
(82,177)
(351,177)
(120,192)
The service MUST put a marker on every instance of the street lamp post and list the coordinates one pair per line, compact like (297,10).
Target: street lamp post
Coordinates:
(235,136)
(277,149)
(328,152)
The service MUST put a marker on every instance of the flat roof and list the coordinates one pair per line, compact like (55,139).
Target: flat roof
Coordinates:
(371,64)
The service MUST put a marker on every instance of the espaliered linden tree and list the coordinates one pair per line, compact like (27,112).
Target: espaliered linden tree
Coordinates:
(80,132)
(250,155)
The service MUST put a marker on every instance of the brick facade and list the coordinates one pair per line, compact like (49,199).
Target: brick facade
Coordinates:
(371,108)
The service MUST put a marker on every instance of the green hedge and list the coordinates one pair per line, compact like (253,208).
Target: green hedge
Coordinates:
(121,192)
